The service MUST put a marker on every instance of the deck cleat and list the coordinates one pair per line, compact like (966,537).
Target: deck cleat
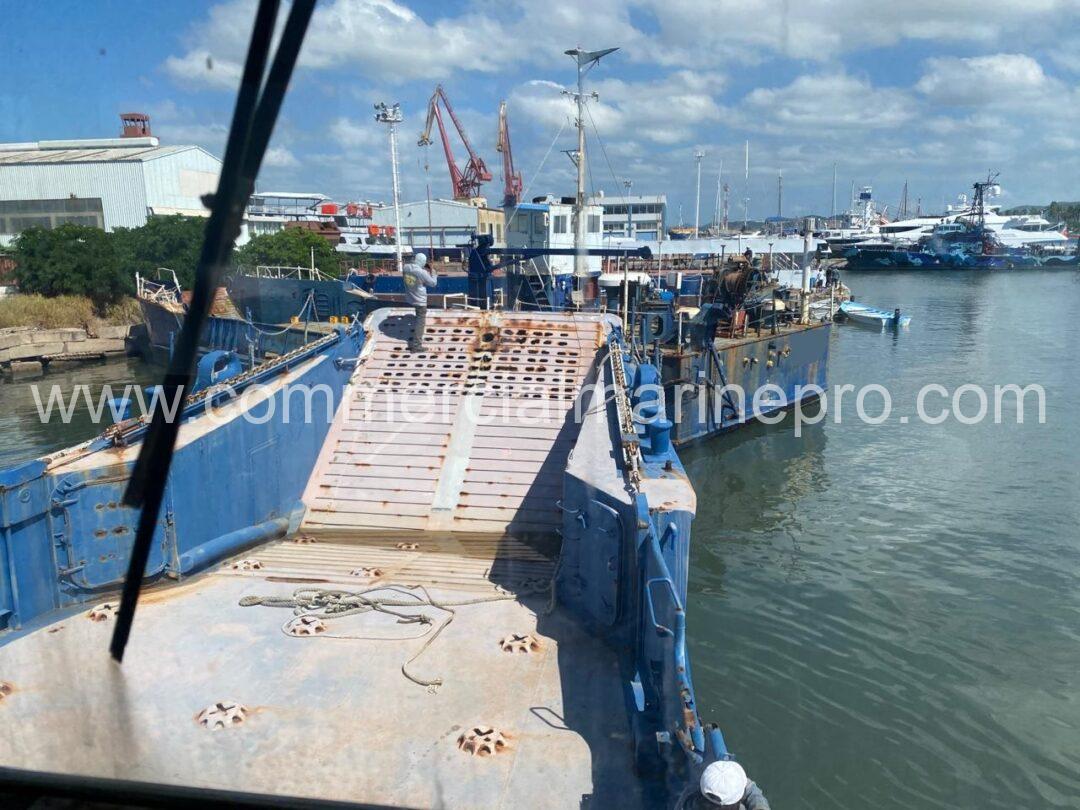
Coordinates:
(247,565)
(483,741)
(520,643)
(102,612)
(366,572)
(407,546)
(305,626)
(222,714)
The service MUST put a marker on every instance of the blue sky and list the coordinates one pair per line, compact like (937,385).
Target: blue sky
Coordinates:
(929,92)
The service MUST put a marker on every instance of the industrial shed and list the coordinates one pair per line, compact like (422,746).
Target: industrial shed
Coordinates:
(107,183)
(442,223)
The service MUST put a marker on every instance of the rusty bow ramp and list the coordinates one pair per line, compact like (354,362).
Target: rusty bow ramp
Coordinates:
(470,435)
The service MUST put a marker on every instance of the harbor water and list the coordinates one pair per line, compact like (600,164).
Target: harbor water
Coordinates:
(880,616)
(27,437)
(889,616)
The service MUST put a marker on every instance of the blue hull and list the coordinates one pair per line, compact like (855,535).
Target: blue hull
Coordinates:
(66,535)
(795,360)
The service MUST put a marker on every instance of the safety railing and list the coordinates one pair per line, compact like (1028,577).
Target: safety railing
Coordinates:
(689,732)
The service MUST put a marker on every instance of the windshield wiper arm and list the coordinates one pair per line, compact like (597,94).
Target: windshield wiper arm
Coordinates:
(256,111)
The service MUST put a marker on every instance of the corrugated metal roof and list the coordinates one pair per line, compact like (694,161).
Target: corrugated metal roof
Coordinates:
(91,155)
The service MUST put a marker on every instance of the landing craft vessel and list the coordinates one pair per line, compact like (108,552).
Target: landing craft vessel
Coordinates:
(467,595)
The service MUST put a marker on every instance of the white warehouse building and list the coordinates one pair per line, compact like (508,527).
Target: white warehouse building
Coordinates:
(106,183)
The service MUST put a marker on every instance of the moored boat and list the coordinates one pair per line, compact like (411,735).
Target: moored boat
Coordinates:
(872,316)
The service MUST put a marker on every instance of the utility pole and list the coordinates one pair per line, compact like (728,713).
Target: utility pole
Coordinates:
(585,61)
(698,157)
(628,184)
(391,116)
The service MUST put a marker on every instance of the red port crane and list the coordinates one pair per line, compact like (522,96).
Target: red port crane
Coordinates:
(466,183)
(512,183)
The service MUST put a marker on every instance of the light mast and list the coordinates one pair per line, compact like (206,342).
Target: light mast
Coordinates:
(391,116)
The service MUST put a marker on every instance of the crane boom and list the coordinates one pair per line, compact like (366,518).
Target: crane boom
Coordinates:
(512,182)
(465,182)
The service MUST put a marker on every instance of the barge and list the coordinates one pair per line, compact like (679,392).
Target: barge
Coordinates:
(463,584)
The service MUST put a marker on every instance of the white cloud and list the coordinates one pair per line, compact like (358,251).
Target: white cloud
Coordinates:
(669,110)
(352,134)
(826,102)
(703,32)
(278,157)
(1011,78)
(198,67)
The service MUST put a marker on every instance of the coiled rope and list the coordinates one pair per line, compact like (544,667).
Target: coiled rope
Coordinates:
(329,603)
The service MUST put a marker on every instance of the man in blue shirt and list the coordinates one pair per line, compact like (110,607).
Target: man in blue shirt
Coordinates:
(417,280)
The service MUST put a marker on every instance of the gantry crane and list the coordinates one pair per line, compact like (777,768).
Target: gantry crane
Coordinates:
(466,183)
(512,183)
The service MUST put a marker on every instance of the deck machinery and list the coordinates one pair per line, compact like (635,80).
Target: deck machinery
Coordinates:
(458,581)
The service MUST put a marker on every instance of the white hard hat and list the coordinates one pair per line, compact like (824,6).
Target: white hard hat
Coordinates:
(723,782)
(420,259)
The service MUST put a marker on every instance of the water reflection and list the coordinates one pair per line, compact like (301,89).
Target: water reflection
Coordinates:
(885,616)
(26,437)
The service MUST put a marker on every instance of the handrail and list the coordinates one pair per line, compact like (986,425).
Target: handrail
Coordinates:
(694,746)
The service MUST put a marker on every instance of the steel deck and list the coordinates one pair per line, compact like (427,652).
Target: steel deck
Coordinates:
(328,716)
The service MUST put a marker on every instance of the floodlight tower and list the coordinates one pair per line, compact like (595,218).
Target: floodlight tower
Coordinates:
(391,116)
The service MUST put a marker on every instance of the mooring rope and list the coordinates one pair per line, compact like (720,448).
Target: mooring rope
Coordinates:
(330,603)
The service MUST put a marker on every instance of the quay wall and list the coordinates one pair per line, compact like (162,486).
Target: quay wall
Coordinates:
(29,350)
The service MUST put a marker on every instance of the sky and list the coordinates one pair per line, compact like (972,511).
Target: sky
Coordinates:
(928,92)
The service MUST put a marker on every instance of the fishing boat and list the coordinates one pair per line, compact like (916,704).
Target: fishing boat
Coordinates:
(872,316)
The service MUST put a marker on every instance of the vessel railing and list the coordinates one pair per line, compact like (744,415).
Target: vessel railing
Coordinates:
(688,732)
(283,271)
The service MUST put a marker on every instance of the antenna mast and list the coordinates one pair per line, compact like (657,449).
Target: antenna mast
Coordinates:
(585,61)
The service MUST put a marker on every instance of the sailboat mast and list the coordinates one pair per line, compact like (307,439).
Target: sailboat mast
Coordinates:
(746,186)
(698,157)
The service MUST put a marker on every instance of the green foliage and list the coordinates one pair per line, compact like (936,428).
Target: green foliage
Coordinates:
(71,260)
(291,248)
(1055,212)
(173,241)
(1069,212)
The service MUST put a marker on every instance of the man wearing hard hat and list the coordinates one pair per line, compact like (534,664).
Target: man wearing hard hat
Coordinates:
(725,786)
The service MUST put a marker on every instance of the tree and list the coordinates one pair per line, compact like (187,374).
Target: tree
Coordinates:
(172,241)
(291,247)
(71,260)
